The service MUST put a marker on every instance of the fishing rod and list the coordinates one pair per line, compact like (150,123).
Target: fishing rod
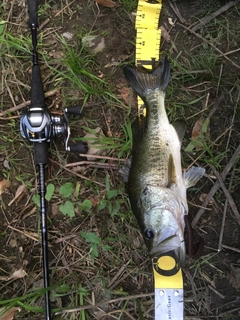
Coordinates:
(39,126)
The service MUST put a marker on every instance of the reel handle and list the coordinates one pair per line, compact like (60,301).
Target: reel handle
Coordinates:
(80,147)
(75,110)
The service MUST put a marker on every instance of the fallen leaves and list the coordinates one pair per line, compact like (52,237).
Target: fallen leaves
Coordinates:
(19,194)
(200,127)
(4,184)
(106,3)
(18,274)
(9,314)
(126,94)
(200,134)
(95,140)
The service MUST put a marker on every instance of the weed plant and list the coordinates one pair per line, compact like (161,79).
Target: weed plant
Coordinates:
(129,5)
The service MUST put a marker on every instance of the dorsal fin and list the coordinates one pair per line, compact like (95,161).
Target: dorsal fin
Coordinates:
(180,126)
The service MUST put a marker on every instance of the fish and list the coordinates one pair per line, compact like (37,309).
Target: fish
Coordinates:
(156,183)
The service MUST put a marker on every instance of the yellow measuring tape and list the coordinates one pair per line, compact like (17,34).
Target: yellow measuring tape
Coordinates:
(168,279)
(148,37)
(168,288)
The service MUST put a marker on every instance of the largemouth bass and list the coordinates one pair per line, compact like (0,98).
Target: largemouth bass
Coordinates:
(156,183)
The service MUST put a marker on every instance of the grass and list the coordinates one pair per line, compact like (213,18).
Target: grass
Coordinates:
(96,251)
(129,6)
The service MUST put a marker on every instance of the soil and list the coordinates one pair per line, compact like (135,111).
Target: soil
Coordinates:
(212,282)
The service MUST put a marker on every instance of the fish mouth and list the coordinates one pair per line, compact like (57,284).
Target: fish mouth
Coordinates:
(172,243)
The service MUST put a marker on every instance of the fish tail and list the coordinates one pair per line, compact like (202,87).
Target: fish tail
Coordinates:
(143,80)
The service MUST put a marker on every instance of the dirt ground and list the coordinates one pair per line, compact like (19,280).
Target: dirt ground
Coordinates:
(205,68)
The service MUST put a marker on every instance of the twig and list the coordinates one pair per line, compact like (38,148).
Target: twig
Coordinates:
(219,79)
(77,174)
(176,11)
(216,186)
(93,164)
(68,5)
(229,311)
(43,24)
(90,306)
(210,44)
(216,291)
(225,213)
(73,164)
(228,195)
(209,18)
(233,117)
(27,103)
(25,233)
(117,275)
(232,51)
(231,248)
(222,226)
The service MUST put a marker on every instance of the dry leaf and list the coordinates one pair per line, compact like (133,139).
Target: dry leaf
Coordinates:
(18,274)
(197,129)
(201,128)
(95,143)
(106,3)
(56,54)
(125,93)
(4,184)
(203,196)
(9,314)
(95,200)
(19,191)
(200,131)
(13,243)
(170,21)
(165,34)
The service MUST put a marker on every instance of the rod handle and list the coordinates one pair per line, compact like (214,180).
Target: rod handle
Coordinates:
(33,12)
(37,92)
(41,153)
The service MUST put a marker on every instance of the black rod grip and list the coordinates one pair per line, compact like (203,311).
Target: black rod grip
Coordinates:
(33,12)
(37,93)
(41,153)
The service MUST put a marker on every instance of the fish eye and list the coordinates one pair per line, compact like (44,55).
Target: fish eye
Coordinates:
(148,233)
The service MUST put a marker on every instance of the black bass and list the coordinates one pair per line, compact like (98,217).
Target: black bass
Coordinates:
(156,184)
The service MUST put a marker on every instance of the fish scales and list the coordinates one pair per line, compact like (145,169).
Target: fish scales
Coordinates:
(157,143)
(156,184)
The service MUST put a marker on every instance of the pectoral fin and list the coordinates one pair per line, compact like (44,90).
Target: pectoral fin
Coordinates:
(192,176)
